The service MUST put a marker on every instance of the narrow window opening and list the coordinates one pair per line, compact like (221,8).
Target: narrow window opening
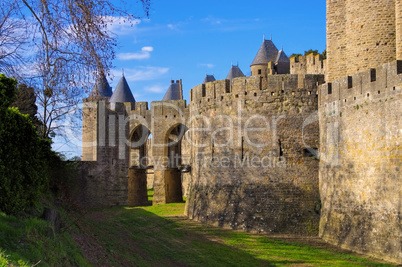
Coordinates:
(373,75)
(259,72)
(242,148)
(329,88)
(212,149)
(280,149)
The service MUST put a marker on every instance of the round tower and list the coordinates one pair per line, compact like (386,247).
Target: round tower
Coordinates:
(267,53)
(361,34)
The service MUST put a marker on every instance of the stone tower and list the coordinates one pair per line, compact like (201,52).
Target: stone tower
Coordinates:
(269,60)
(362,35)
(101,92)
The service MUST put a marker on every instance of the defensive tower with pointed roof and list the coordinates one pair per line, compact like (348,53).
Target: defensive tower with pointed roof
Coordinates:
(208,78)
(101,89)
(175,91)
(234,72)
(268,53)
(122,93)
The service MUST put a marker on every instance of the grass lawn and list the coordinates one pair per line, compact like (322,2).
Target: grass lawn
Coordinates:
(162,236)
(155,236)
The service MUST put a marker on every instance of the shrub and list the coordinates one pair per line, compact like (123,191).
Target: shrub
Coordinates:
(23,167)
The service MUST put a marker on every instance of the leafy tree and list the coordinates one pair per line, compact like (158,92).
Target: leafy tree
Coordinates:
(23,168)
(295,55)
(324,54)
(69,43)
(308,52)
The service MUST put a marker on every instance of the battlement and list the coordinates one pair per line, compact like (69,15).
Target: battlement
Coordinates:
(362,86)
(257,88)
(310,64)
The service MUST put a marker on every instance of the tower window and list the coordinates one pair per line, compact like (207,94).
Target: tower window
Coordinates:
(259,72)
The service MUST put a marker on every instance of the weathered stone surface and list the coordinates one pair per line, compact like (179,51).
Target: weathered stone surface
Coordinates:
(250,170)
(360,164)
(360,35)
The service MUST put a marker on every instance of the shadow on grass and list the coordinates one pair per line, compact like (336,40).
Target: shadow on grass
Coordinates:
(142,238)
(159,236)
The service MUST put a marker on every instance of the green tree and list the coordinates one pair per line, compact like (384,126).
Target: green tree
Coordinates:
(23,168)
(324,54)
(69,43)
(295,55)
(308,52)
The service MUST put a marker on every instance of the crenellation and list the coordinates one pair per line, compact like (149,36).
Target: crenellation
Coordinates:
(337,173)
(310,64)
(362,86)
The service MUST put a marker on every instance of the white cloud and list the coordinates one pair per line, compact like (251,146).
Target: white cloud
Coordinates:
(155,89)
(144,54)
(212,20)
(143,73)
(208,65)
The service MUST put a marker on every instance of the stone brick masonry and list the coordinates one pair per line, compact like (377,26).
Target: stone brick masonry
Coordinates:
(245,151)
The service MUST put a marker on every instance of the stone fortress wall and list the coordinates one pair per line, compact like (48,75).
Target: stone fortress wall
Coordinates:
(361,35)
(111,171)
(360,128)
(309,64)
(361,160)
(268,179)
(250,166)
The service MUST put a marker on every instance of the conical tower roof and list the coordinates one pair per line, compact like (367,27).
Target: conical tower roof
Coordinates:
(122,93)
(234,72)
(174,92)
(209,78)
(101,88)
(282,57)
(267,52)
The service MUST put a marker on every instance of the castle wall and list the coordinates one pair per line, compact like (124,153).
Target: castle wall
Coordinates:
(260,70)
(361,160)
(360,35)
(249,167)
(310,64)
(336,39)
(398,25)
(89,131)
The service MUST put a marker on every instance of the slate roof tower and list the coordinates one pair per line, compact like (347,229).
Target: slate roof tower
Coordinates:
(122,93)
(174,92)
(101,89)
(208,78)
(234,72)
(269,53)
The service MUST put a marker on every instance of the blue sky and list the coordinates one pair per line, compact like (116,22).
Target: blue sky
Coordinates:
(187,39)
